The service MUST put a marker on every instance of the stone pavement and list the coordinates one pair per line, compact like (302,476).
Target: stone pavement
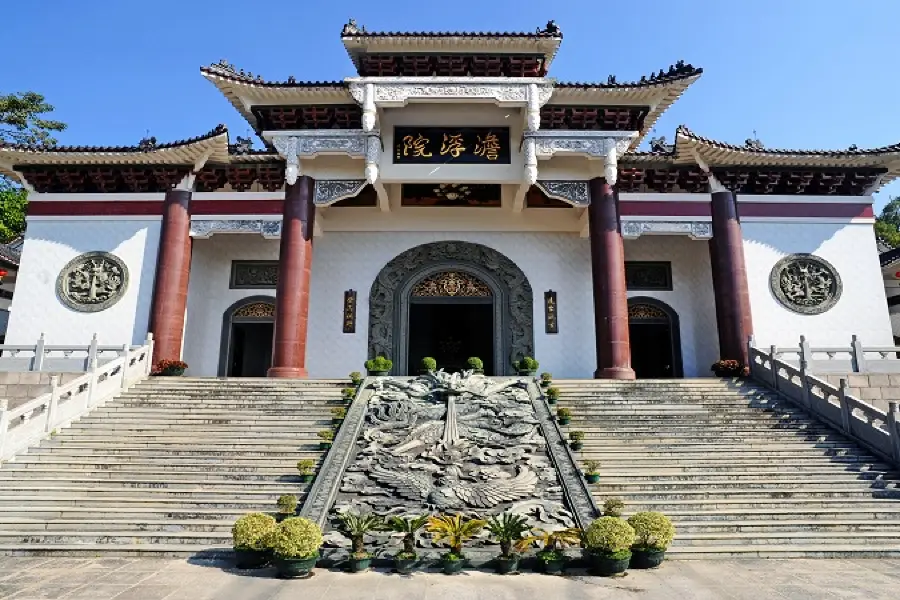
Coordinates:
(173,579)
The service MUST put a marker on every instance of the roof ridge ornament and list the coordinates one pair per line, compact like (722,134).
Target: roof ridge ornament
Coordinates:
(351,28)
(551,28)
(147,143)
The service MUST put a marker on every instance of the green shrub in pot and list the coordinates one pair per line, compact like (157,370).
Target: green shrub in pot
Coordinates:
(551,559)
(526,366)
(295,547)
(576,440)
(428,365)
(326,438)
(357,526)
(564,415)
(379,366)
(250,535)
(608,542)
(454,530)
(508,529)
(654,532)
(592,470)
(475,364)
(405,561)
(287,506)
(613,507)
(552,394)
(546,379)
(307,468)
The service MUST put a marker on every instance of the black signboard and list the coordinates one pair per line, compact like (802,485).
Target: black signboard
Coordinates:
(350,311)
(551,312)
(460,145)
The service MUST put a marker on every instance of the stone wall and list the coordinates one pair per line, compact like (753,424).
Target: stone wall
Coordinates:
(874,388)
(19,388)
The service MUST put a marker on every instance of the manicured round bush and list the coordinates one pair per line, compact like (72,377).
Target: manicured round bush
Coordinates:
(251,532)
(653,530)
(475,363)
(609,535)
(429,364)
(296,538)
(379,363)
(287,504)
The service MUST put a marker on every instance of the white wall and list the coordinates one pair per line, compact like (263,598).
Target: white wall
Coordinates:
(209,296)
(691,296)
(51,244)
(850,247)
(343,261)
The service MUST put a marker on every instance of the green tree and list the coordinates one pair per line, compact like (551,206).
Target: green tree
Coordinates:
(22,121)
(887,225)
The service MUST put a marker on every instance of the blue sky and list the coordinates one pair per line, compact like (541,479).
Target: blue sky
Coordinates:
(801,73)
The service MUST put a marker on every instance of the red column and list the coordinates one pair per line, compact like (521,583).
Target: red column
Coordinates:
(292,295)
(173,267)
(608,274)
(726,252)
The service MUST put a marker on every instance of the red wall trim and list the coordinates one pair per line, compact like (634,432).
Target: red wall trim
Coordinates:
(771,209)
(664,209)
(95,207)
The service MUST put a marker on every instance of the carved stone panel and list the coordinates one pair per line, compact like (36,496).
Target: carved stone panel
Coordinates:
(254,274)
(451,284)
(512,296)
(255,310)
(92,282)
(805,283)
(644,275)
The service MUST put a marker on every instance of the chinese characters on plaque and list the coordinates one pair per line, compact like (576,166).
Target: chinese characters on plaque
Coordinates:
(461,145)
(551,324)
(350,311)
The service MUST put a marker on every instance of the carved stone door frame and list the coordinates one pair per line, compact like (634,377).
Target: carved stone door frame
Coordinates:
(513,299)
(252,309)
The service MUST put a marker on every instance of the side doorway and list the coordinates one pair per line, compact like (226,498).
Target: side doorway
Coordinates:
(655,339)
(248,328)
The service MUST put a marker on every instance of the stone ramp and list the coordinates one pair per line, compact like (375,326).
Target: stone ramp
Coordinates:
(741,471)
(165,468)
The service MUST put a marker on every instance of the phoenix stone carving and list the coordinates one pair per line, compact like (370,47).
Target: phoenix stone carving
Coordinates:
(92,282)
(805,283)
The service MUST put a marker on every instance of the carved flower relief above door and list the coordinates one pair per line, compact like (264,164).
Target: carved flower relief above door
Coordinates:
(256,310)
(805,283)
(452,284)
(92,281)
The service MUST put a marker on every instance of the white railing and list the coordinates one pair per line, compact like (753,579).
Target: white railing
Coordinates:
(57,359)
(35,420)
(854,358)
(872,427)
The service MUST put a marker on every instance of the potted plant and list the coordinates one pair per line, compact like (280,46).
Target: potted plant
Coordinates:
(170,368)
(507,529)
(653,534)
(527,366)
(287,506)
(295,547)
(563,415)
(613,507)
(546,379)
(338,413)
(408,526)
(251,535)
(347,395)
(454,530)
(476,365)
(326,438)
(730,368)
(356,526)
(550,557)
(592,470)
(608,542)
(379,366)
(356,378)
(306,467)
(428,365)
(576,440)
(552,394)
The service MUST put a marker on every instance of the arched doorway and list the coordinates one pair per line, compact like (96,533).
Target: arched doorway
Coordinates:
(655,339)
(446,282)
(248,327)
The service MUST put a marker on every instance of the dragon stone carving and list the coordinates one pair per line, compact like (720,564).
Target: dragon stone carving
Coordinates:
(459,443)
(805,284)
(92,282)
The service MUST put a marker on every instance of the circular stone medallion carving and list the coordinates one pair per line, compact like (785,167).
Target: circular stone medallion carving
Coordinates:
(92,282)
(805,284)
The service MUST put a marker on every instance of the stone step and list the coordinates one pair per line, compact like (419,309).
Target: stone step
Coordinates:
(198,451)
(785,551)
(679,445)
(103,538)
(144,473)
(765,527)
(180,437)
(689,494)
(128,443)
(61,501)
(752,505)
(271,485)
(128,513)
(26,524)
(767,485)
(785,537)
(24,464)
(155,460)
(258,493)
(666,476)
(887,514)
(119,550)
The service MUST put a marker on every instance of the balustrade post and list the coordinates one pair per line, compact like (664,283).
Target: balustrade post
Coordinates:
(92,382)
(893,430)
(845,407)
(92,351)
(148,357)
(773,369)
(54,404)
(804,379)
(805,353)
(38,363)
(4,422)
(126,351)
(858,356)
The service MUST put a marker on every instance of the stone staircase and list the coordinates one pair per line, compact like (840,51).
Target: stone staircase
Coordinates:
(741,472)
(164,469)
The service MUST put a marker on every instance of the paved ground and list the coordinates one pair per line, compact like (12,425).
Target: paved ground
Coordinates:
(153,579)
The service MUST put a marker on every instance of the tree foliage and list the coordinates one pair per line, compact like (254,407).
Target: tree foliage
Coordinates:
(887,225)
(22,121)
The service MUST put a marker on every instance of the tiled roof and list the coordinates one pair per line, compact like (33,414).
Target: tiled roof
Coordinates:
(146,145)
(12,252)
(676,72)
(226,70)
(551,30)
(890,257)
(749,146)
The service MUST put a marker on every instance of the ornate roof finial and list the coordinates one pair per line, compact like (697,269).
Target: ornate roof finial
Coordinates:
(853,148)
(147,142)
(224,65)
(611,80)
(351,28)
(291,79)
(243,145)
(550,29)
(659,145)
(754,143)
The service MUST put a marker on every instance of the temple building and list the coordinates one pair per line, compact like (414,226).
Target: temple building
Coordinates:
(450,199)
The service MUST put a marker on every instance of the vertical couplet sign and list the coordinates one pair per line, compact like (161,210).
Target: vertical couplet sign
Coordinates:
(350,311)
(461,145)
(551,323)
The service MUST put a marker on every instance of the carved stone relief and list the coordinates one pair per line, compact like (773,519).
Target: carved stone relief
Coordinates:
(92,281)
(576,193)
(512,297)
(256,310)
(205,228)
(329,191)
(594,144)
(451,443)
(697,230)
(805,283)
(254,274)
(451,284)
